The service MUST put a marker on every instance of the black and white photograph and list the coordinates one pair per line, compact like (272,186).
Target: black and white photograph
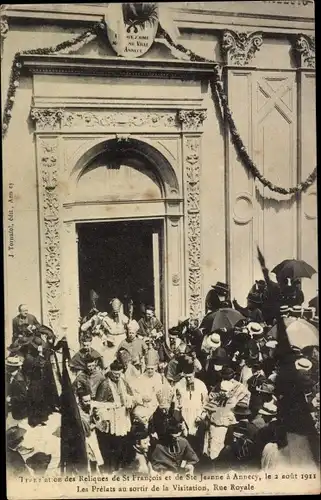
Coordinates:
(160,249)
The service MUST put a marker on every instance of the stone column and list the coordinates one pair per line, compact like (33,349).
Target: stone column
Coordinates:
(191,122)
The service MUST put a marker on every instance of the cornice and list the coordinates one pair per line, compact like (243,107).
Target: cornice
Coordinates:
(117,67)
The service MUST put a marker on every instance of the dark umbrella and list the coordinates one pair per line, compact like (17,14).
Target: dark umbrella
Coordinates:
(226,318)
(314,302)
(292,268)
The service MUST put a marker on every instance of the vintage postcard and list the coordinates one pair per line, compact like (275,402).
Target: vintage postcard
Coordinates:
(160,249)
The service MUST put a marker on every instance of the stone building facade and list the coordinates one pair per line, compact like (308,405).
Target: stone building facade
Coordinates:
(96,139)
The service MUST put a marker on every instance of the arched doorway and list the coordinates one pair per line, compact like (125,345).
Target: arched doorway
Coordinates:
(123,224)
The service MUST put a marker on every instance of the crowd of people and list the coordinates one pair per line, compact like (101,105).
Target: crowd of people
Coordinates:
(198,397)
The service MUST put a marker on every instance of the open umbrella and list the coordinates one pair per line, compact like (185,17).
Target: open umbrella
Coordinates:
(292,268)
(314,302)
(226,318)
(300,332)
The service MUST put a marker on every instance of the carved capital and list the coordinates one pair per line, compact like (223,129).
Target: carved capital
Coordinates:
(4,26)
(191,119)
(46,118)
(304,47)
(240,48)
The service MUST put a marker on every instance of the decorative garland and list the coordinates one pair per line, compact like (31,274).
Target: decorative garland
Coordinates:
(216,83)
(67,47)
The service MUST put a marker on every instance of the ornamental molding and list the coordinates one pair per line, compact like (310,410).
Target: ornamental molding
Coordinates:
(304,47)
(50,209)
(49,119)
(4,26)
(192,168)
(191,119)
(240,48)
(58,119)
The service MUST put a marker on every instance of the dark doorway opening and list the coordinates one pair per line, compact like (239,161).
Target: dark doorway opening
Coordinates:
(121,259)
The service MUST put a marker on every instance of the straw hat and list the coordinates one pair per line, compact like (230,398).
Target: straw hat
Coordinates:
(14,361)
(303,364)
(271,344)
(214,340)
(227,385)
(284,309)
(269,409)
(255,330)
(296,311)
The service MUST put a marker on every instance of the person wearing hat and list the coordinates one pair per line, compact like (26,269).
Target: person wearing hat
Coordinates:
(24,322)
(284,311)
(191,396)
(211,342)
(173,452)
(39,399)
(166,410)
(90,378)
(39,463)
(114,400)
(219,410)
(253,309)
(139,462)
(212,372)
(291,293)
(150,382)
(296,311)
(113,329)
(212,305)
(16,465)
(134,345)
(223,292)
(77,361)
(173,371)
(130,372)
(240,451)
(268,414)
(254,383)
(149,325)
(17,391)
(266,391)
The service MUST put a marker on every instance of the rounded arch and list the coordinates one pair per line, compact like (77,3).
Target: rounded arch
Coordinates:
(130,149)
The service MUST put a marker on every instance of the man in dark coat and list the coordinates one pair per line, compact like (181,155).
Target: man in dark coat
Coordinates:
(173,453)
(254,384)
(89,378)
(149,325)
(17,388)
(253,309)
(16,465)
(240,451)
(78,361)
(23,322)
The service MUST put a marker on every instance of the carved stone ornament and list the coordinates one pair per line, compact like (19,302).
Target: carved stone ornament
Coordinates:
(191,119)
(51,222)
(47,118)
(53,119)
(192,168)
(4,26)
(305,46)
(240,48)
